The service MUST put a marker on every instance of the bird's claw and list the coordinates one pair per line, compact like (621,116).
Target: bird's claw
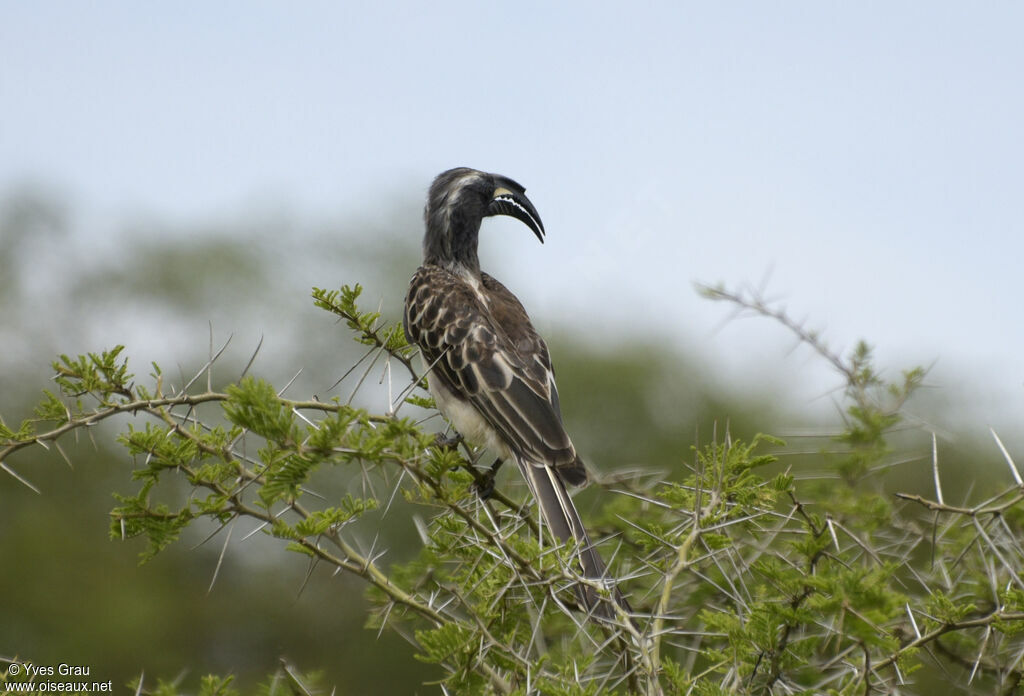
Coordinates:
(448,442)
(485,485)
(485,482)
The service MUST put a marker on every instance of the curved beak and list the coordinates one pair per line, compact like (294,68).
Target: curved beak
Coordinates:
(510,199)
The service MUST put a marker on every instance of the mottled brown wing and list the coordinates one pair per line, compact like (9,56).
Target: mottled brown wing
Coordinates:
(482,345)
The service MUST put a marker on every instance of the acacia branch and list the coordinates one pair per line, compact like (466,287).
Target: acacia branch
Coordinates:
(948,627)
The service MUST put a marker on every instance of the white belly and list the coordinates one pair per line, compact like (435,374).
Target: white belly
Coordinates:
(466,419)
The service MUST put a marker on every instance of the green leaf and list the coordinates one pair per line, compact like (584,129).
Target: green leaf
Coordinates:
(253,404)
(322,521)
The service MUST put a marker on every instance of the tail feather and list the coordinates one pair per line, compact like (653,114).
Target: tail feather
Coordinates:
(565,524)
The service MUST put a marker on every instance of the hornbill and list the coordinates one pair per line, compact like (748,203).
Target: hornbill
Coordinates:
(488,369)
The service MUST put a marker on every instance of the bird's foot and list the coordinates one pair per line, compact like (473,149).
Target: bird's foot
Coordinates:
(448,442)
(485,482)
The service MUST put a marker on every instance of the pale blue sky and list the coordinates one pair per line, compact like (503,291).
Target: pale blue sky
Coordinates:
(868,157)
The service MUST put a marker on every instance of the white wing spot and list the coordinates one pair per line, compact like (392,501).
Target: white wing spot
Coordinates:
(506,370)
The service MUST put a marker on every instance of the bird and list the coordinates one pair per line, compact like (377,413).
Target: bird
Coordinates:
(488,369)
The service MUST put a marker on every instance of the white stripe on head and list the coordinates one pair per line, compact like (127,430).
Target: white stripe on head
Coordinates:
(455,189)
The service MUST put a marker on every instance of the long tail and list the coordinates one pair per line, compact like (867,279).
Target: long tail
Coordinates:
(564,521)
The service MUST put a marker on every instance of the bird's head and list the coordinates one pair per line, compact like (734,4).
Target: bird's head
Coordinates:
(458,201)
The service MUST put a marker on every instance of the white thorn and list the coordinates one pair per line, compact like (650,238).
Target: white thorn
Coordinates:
(935,470)
(1009,460)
